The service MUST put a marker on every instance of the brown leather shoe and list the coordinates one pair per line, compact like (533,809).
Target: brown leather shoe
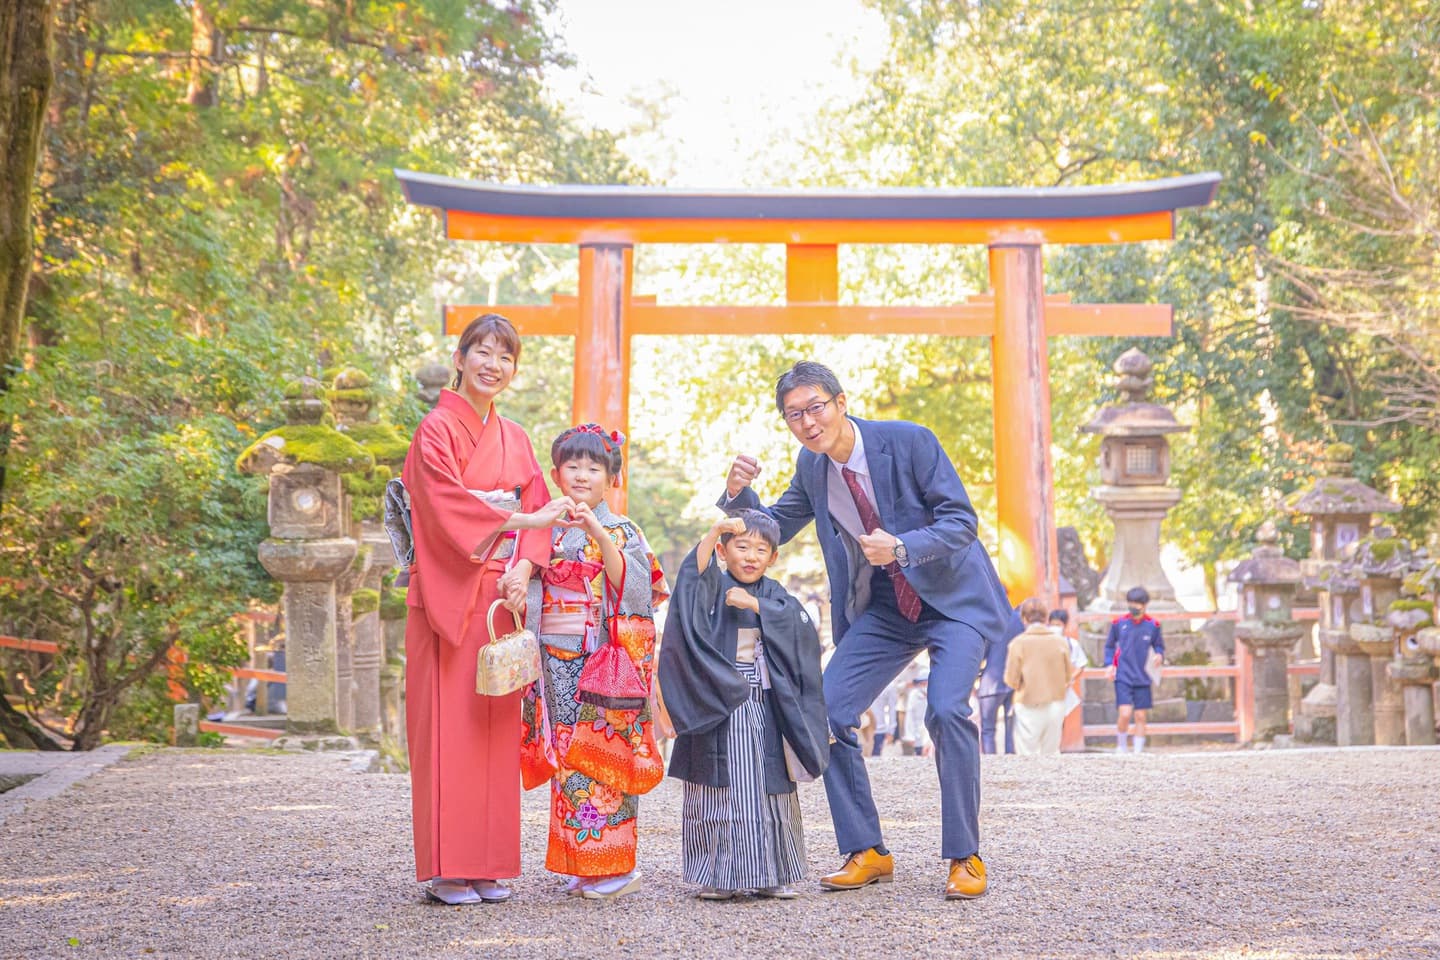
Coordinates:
(967,879)
(861,870)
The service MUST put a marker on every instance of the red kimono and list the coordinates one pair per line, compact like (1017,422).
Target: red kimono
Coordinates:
(464,747)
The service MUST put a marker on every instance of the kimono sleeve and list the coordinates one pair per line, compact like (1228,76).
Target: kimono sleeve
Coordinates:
(700,685)
(644,587)
(450,521)
(533,545)
(792,654)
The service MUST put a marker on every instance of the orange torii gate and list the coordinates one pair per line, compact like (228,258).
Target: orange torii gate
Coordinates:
(1014,223)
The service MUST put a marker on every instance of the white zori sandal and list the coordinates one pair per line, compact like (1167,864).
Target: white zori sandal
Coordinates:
(611,887)
(452,892)
(491,891)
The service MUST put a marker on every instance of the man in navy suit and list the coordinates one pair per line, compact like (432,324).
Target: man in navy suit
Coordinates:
(906,574)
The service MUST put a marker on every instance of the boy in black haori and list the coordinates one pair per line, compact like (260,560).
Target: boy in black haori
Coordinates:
(740,675)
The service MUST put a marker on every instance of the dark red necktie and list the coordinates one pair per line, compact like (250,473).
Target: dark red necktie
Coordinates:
(905,596)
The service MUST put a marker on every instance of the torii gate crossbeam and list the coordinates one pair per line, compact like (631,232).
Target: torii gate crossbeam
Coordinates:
(1014,223)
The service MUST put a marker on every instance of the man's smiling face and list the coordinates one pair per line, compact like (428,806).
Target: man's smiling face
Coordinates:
(815,417)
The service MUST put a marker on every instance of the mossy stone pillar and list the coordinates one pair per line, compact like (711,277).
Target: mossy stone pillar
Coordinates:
(354,404)
(1268,582)
(392,671)
(1341,511)
(1381,560)
(1420,686)
(308,550)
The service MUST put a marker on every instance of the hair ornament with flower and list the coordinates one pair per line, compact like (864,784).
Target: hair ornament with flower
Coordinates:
(613,440)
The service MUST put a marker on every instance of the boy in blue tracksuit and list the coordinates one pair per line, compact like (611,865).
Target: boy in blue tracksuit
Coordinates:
(1132,646)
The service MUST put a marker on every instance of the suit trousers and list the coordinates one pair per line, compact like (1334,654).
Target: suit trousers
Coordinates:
(868,658)
(990,709)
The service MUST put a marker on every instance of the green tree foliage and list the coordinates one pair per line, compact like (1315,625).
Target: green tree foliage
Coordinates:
(1299,106)
(216,214)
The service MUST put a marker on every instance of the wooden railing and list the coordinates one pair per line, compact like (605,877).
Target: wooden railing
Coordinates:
(1242,727)
(30,645)
(1209,727)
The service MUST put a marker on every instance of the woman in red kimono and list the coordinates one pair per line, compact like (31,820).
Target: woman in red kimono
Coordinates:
(466,469)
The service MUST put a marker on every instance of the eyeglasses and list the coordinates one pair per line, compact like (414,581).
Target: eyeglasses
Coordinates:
(813,411)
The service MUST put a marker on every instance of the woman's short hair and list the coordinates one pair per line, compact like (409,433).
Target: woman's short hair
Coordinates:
(488,325)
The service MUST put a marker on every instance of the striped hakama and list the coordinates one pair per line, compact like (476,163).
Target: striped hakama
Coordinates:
(740,837)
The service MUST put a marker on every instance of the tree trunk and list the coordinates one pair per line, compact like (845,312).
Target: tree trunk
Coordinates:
(91,721)
(18,730)
(204,55)
(26,76)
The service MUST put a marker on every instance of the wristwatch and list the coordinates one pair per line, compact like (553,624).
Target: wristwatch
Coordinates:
(902,556)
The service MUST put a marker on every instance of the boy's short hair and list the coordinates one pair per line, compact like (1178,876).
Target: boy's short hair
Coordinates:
(758,524)
(1137,595)
(1033,610)
(1060,614)
(806,373)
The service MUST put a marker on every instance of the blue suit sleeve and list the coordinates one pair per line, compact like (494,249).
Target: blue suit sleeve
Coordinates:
(793,511)
(1112,640)
(954,525)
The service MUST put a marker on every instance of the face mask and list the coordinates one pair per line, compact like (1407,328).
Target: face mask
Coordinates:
(1136,611)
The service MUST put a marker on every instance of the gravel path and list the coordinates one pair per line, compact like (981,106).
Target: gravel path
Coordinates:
(1265,854)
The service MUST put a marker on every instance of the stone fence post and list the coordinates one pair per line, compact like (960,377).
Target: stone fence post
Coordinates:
(1268,581)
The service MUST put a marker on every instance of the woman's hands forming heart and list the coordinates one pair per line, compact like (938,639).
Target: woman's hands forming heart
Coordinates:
(559,512)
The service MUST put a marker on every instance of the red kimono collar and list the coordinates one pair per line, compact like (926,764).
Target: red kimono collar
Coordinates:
(461,408)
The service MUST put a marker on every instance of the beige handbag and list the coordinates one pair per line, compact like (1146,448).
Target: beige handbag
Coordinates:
(507,663)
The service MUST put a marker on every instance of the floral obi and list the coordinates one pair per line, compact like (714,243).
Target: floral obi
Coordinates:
(569,608)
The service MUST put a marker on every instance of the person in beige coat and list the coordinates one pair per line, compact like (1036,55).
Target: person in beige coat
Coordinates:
(1038,668)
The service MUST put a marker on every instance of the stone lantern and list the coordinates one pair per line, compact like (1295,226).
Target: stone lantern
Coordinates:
(308,549)
(1381,560)
(433,377)
(1412,616)
(1134,471)
(1341,511)
(1268,582)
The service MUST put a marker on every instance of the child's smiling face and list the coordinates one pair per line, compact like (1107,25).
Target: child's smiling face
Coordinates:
(582,480)
(747,556)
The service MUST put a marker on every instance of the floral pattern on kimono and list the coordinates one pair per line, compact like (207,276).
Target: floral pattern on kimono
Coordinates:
(592,821)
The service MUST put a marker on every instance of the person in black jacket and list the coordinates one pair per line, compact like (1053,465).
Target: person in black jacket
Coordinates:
(740,675)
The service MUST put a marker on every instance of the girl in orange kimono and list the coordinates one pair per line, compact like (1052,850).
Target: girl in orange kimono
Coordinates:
(601,586)
(466,470)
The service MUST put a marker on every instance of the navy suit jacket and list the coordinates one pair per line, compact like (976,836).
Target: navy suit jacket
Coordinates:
(921,500)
